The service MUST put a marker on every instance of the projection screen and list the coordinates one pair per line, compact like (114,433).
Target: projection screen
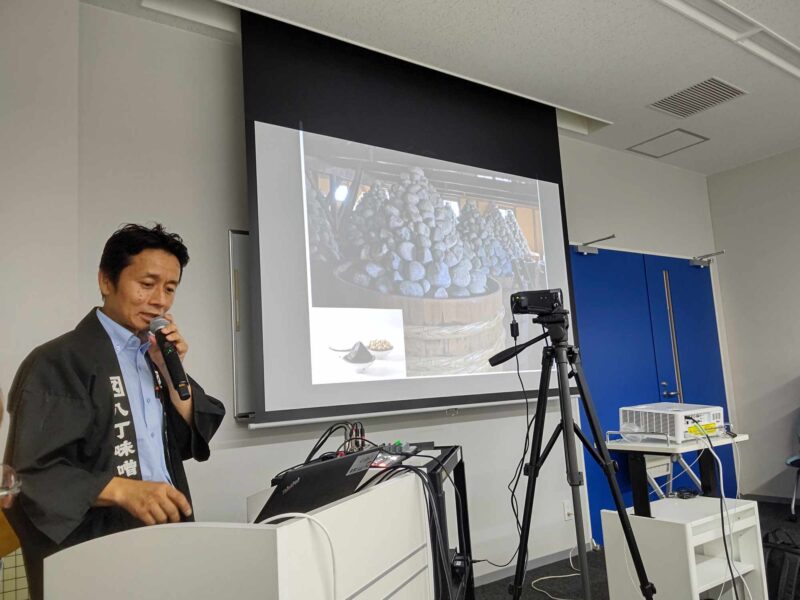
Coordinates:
(393,210)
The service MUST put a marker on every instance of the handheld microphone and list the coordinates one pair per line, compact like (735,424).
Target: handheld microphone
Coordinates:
(176,373)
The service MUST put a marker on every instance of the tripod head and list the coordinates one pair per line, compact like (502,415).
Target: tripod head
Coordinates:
(555,324)
(549,312)
(547,306)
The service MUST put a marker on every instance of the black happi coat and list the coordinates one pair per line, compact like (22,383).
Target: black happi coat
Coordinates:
(62,440)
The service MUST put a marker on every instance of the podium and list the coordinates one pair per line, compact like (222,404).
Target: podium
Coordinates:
(380,537)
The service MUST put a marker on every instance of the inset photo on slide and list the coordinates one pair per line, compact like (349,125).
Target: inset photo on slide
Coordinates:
(356,344)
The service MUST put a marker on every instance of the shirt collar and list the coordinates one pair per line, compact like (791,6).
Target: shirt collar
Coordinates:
(121,338)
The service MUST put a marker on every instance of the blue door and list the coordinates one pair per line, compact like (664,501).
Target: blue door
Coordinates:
(625,340)
(612,311)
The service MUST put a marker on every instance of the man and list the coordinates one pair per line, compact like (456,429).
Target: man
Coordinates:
(98,432)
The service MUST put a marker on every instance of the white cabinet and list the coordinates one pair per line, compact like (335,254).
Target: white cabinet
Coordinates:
(683,553)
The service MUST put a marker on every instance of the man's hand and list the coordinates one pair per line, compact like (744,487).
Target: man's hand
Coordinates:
(150,502)
(184,407)
(173,335)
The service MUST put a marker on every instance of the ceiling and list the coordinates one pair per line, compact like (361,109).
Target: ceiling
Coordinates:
(604,59)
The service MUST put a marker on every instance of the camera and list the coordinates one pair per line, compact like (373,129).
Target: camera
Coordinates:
(538,302)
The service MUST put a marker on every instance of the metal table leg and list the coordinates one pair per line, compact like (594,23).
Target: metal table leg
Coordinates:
(638,471)
(656,488)
(682,462)
(708,475)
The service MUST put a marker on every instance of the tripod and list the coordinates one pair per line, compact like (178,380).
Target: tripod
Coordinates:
(565,356)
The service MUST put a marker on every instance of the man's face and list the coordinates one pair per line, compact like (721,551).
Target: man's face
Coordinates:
(146,289)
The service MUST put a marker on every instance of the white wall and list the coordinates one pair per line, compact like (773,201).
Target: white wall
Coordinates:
(161,138)
(652,207)
(756,213)
(38,176)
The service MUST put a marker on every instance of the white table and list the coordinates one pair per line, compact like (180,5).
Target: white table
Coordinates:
(637,463)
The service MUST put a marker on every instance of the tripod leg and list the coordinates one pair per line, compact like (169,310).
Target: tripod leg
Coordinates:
(515,589)
(574,476)
(609,468)
(550,444)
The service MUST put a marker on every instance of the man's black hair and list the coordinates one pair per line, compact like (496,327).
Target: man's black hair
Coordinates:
(131,239)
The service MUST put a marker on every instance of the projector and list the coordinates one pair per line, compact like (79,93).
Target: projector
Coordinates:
(671,420)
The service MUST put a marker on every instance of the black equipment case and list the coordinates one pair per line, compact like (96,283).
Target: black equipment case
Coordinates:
(782,562)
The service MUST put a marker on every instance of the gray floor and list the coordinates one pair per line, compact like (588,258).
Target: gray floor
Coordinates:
(772,516)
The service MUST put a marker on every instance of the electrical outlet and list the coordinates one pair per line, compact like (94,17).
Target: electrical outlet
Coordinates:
(568,514)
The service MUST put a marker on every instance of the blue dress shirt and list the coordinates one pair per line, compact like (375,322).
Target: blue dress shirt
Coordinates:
(148,416)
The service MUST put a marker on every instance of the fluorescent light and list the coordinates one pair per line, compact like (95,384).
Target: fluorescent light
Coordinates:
(742,30)
(714,12)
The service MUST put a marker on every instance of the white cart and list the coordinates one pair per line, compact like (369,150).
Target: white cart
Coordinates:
(683,553)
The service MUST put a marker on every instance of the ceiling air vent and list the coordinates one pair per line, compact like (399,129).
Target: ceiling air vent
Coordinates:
(697,98)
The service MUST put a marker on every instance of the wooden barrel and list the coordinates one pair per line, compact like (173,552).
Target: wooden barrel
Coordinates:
(443,336)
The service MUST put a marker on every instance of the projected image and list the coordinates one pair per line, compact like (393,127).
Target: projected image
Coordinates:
(439,244)
(356,344)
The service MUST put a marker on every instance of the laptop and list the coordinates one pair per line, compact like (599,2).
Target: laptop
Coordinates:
(316,484)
